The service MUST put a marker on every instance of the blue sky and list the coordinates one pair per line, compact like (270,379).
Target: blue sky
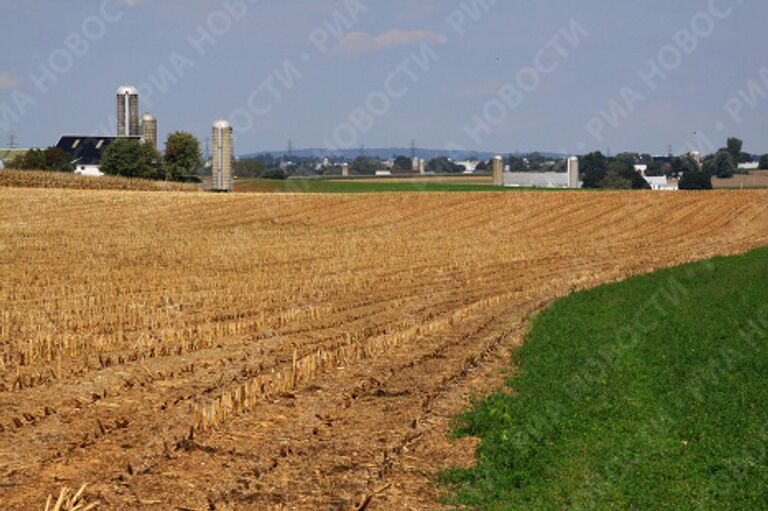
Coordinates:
(556,75)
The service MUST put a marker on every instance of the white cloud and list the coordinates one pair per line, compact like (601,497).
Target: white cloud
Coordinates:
(358,43)
(8,81)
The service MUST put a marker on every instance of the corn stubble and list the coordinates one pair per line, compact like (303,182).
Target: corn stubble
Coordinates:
(133,323)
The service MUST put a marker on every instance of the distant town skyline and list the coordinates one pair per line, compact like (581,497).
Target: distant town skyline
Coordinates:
(471,75)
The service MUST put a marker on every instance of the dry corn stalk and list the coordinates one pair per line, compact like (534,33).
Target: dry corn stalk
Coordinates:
(69,501)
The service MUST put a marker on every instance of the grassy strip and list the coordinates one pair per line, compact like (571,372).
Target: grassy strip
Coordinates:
(647,394)
(359,186)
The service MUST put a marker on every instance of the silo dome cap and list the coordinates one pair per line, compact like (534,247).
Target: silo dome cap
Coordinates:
(221,123)
(148,117)
(127,89)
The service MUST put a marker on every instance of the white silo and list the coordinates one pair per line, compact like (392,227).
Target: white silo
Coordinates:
(127,111)
(498,170)
(345,169)
(573,172)
(221,164)
(149,130)
(422,166)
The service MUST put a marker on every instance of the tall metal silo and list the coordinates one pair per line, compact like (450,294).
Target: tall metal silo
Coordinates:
(221,164)
(573,172)
(149,130)
(128,111)
(498,170)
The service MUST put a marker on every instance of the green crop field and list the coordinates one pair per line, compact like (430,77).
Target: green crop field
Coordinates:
(647,394)
(356,186)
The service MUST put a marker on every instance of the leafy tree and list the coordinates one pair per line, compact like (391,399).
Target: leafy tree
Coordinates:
(483,165)
(593,167)
(696,180)
(274,173)
(403,163)
(51,159)
(517,164)
(656,168)
(745,158)
(249,167)
(442,165)
(363,165)
(182,155)
(721,165)
(684,165)
(613,180)
(763,162)
(132,158)
(623,168)
(734,147)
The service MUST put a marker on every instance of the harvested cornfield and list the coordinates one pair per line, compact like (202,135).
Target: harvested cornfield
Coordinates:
(195,351)
(41,179)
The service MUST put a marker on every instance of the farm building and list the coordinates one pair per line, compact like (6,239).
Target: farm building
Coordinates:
(86,151)
(551,179)
(661,183)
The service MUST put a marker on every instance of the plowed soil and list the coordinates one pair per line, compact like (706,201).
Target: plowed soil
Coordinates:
(193,351)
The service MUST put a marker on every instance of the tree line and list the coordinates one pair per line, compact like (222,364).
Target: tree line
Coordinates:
(126,157)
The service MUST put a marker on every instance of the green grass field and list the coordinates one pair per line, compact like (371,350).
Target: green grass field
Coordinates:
(357,186)
(645,395)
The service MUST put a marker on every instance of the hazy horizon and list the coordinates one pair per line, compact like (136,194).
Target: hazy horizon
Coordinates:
(476,75)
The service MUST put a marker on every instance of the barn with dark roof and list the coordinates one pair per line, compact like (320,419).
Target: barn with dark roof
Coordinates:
(86,151)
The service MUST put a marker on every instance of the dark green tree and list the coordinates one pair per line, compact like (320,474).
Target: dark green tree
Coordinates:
(403,163)
(274,173)
(620,169)
(763,165)
(58,160)
(720,164)
(696,180)
(593,169)
(132,158)
(656,168)
(442,165)
(734,147)
(516,164)
(182,155)
(482,166)
(249,167)
(51,159)
(682,166)
(363,165)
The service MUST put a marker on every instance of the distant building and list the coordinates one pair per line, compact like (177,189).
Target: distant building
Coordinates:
(753,165)
(536,179)
(86,151)
(661,183)
(469,165)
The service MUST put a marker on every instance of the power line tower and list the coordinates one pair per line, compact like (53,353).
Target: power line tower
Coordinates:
(362,150)
(207,150)
(290,149)
(413,150)
(12,141)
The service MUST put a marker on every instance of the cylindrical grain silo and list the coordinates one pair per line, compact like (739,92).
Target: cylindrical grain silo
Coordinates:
(422,166)
(345,169)
(149,130)
(222,156)
(127,111)
(573,172)
(498,171)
